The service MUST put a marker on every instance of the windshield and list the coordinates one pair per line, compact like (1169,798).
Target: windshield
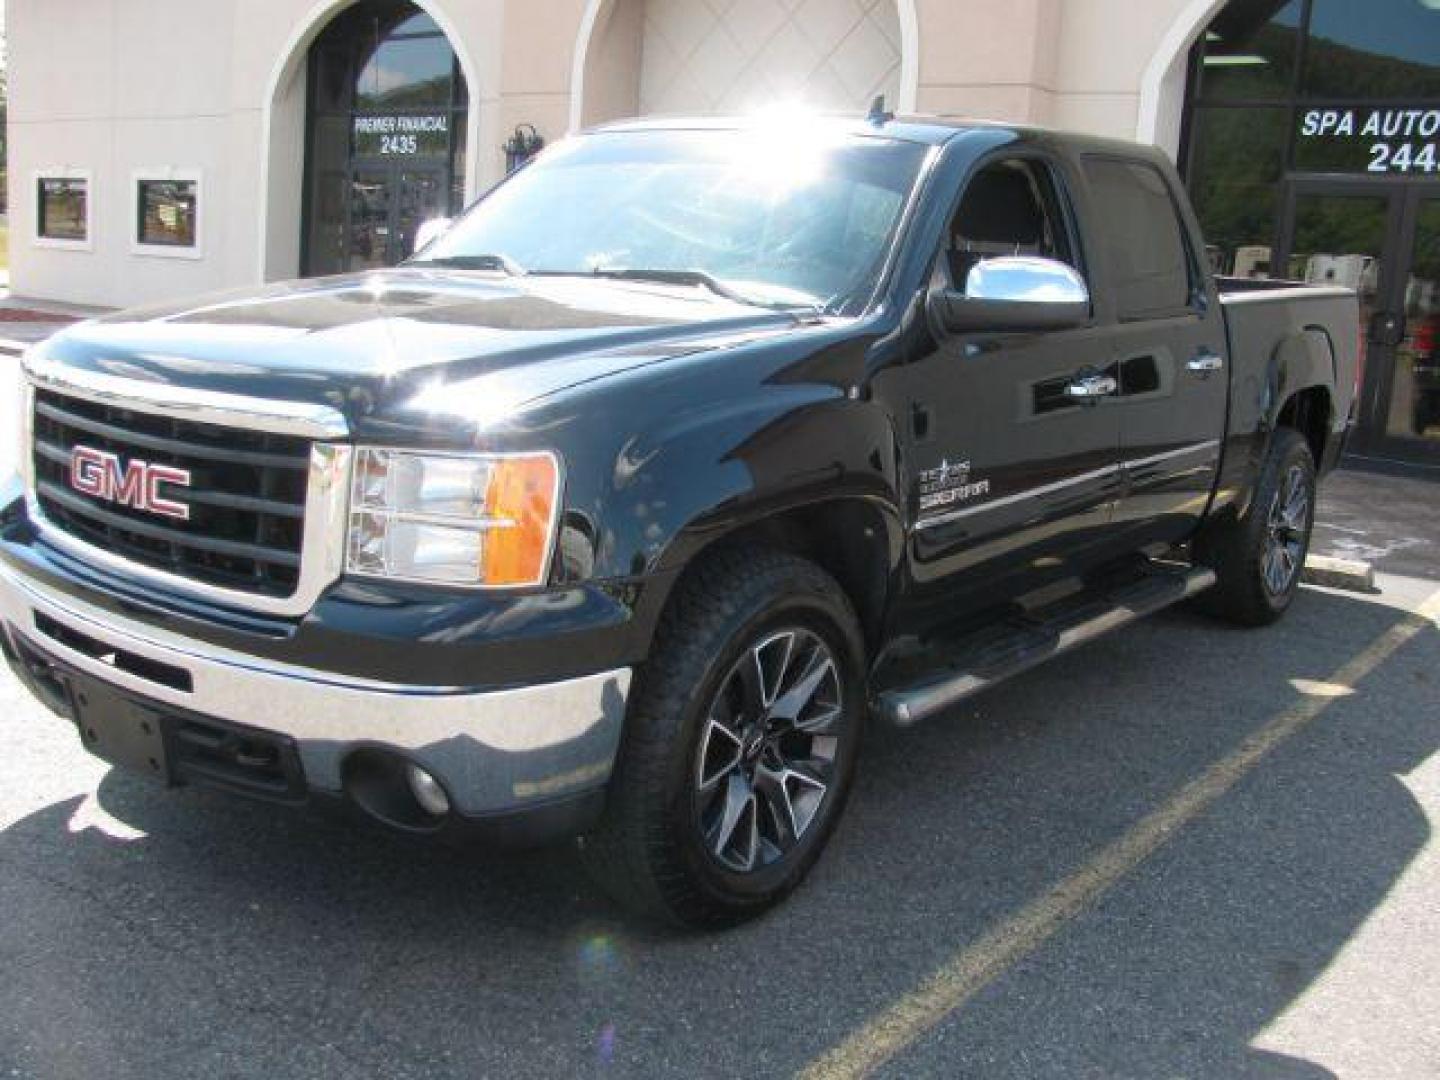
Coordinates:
(777,218)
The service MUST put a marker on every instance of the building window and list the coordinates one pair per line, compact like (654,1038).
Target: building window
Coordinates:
(1379,49)
(1249,52)
(62,208)
(167,213)
(1281,90)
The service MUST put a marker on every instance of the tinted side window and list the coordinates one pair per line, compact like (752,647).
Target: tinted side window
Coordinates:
(1144,240)
(1010,207)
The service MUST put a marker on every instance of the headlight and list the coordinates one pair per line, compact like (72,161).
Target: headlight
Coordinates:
(471,519)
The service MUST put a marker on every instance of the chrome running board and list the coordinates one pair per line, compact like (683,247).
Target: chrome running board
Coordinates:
(1017,643)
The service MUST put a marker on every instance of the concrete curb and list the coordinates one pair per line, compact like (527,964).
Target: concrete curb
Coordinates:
(1349,574)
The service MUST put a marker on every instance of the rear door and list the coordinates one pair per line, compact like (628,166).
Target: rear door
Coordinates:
(1170,350)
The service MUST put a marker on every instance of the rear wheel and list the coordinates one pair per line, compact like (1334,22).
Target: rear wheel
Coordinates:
(1258,558)
(740,743)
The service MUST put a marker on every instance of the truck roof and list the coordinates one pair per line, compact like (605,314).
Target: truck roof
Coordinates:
(917,128)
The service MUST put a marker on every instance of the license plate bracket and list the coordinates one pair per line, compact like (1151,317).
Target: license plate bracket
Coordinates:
(118,729)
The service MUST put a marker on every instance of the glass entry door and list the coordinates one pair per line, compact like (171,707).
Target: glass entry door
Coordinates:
(388,204)
(1414,393)
(387,107)
(1383,240)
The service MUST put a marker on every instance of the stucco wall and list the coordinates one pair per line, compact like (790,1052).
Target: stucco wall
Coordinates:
(217,85)
(739,55)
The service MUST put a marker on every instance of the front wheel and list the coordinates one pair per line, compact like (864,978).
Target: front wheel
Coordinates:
(1258,558)
(740,743)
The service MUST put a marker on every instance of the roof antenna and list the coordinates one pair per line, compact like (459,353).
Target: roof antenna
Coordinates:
(878,114)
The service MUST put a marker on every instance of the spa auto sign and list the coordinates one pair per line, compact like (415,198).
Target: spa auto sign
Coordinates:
(1377,140)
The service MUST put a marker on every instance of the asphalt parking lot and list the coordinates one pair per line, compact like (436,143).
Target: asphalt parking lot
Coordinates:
(1187,850)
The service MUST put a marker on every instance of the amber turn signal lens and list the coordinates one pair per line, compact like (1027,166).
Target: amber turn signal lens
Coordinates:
(520,504)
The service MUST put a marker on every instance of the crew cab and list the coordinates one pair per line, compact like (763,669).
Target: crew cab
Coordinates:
(621,509)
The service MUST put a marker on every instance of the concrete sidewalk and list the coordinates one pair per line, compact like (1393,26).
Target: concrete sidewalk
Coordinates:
(1389,519)
(24,321)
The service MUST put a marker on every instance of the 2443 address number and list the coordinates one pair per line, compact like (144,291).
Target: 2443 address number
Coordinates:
(1407,157)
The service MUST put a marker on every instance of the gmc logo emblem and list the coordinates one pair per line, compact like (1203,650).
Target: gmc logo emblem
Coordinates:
(99,473)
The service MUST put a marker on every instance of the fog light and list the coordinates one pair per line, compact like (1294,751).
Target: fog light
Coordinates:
(427,791)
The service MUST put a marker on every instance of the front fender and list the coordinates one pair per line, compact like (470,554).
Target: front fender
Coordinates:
(716,469)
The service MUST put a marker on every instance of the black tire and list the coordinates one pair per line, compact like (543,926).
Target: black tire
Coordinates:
(651,850)
(1249,590)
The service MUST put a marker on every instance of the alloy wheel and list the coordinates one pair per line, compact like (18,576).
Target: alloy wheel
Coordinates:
(767,754)
(1286,532)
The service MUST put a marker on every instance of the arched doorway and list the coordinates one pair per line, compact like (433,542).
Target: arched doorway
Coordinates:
(387,109)
(655,57)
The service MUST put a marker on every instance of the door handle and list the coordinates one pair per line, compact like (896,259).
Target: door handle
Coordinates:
(1205,363)
(1091,387)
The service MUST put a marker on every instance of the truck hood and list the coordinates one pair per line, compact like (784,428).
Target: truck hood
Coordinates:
(389,343)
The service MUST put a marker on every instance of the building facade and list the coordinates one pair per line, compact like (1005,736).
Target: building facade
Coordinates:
(167,147)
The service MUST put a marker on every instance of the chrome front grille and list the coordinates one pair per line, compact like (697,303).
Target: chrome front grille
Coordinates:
(266,502)
(246,499)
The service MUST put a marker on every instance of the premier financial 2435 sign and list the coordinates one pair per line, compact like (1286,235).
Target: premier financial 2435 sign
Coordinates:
(403,135)
(1376,140)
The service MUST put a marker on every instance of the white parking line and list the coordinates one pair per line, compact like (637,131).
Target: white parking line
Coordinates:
(974,967)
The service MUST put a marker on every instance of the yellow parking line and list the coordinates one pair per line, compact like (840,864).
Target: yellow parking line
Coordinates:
(975,966)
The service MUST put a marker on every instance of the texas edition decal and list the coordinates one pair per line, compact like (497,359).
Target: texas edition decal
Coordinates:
(947,484)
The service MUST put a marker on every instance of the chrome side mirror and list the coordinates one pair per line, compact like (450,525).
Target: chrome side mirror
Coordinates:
(431,229)
(1015,292)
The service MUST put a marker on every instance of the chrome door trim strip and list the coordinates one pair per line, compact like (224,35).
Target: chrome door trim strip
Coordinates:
(1154,459)
(1060,485)
(1019,496)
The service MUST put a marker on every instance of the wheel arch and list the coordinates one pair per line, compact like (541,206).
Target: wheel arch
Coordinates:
(857,539)
(1309,411)
(1302,380)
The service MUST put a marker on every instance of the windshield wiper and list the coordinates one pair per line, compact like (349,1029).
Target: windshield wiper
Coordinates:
(500,263)
(678,277)
(675,277)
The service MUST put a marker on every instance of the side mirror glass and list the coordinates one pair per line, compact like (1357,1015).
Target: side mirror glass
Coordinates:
(431,229)
(1020,292)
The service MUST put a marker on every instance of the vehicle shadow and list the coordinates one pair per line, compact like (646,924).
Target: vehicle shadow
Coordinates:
(264,942)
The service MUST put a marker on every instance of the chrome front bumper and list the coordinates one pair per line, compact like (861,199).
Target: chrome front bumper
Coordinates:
(496,751)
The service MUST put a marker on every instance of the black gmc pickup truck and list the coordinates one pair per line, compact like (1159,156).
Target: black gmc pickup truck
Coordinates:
(693,447)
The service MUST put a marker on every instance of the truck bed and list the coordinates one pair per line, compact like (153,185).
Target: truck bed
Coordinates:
(1286,330)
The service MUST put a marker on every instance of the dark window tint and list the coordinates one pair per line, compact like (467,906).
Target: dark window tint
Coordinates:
(1144,242)
(1008,208)
(1373,49)
(167,212)
(61,210)
(1236,163)
(1249,51)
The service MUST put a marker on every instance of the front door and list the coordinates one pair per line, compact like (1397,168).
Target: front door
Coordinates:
(388,203)
(1381,238)
(1013,479)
